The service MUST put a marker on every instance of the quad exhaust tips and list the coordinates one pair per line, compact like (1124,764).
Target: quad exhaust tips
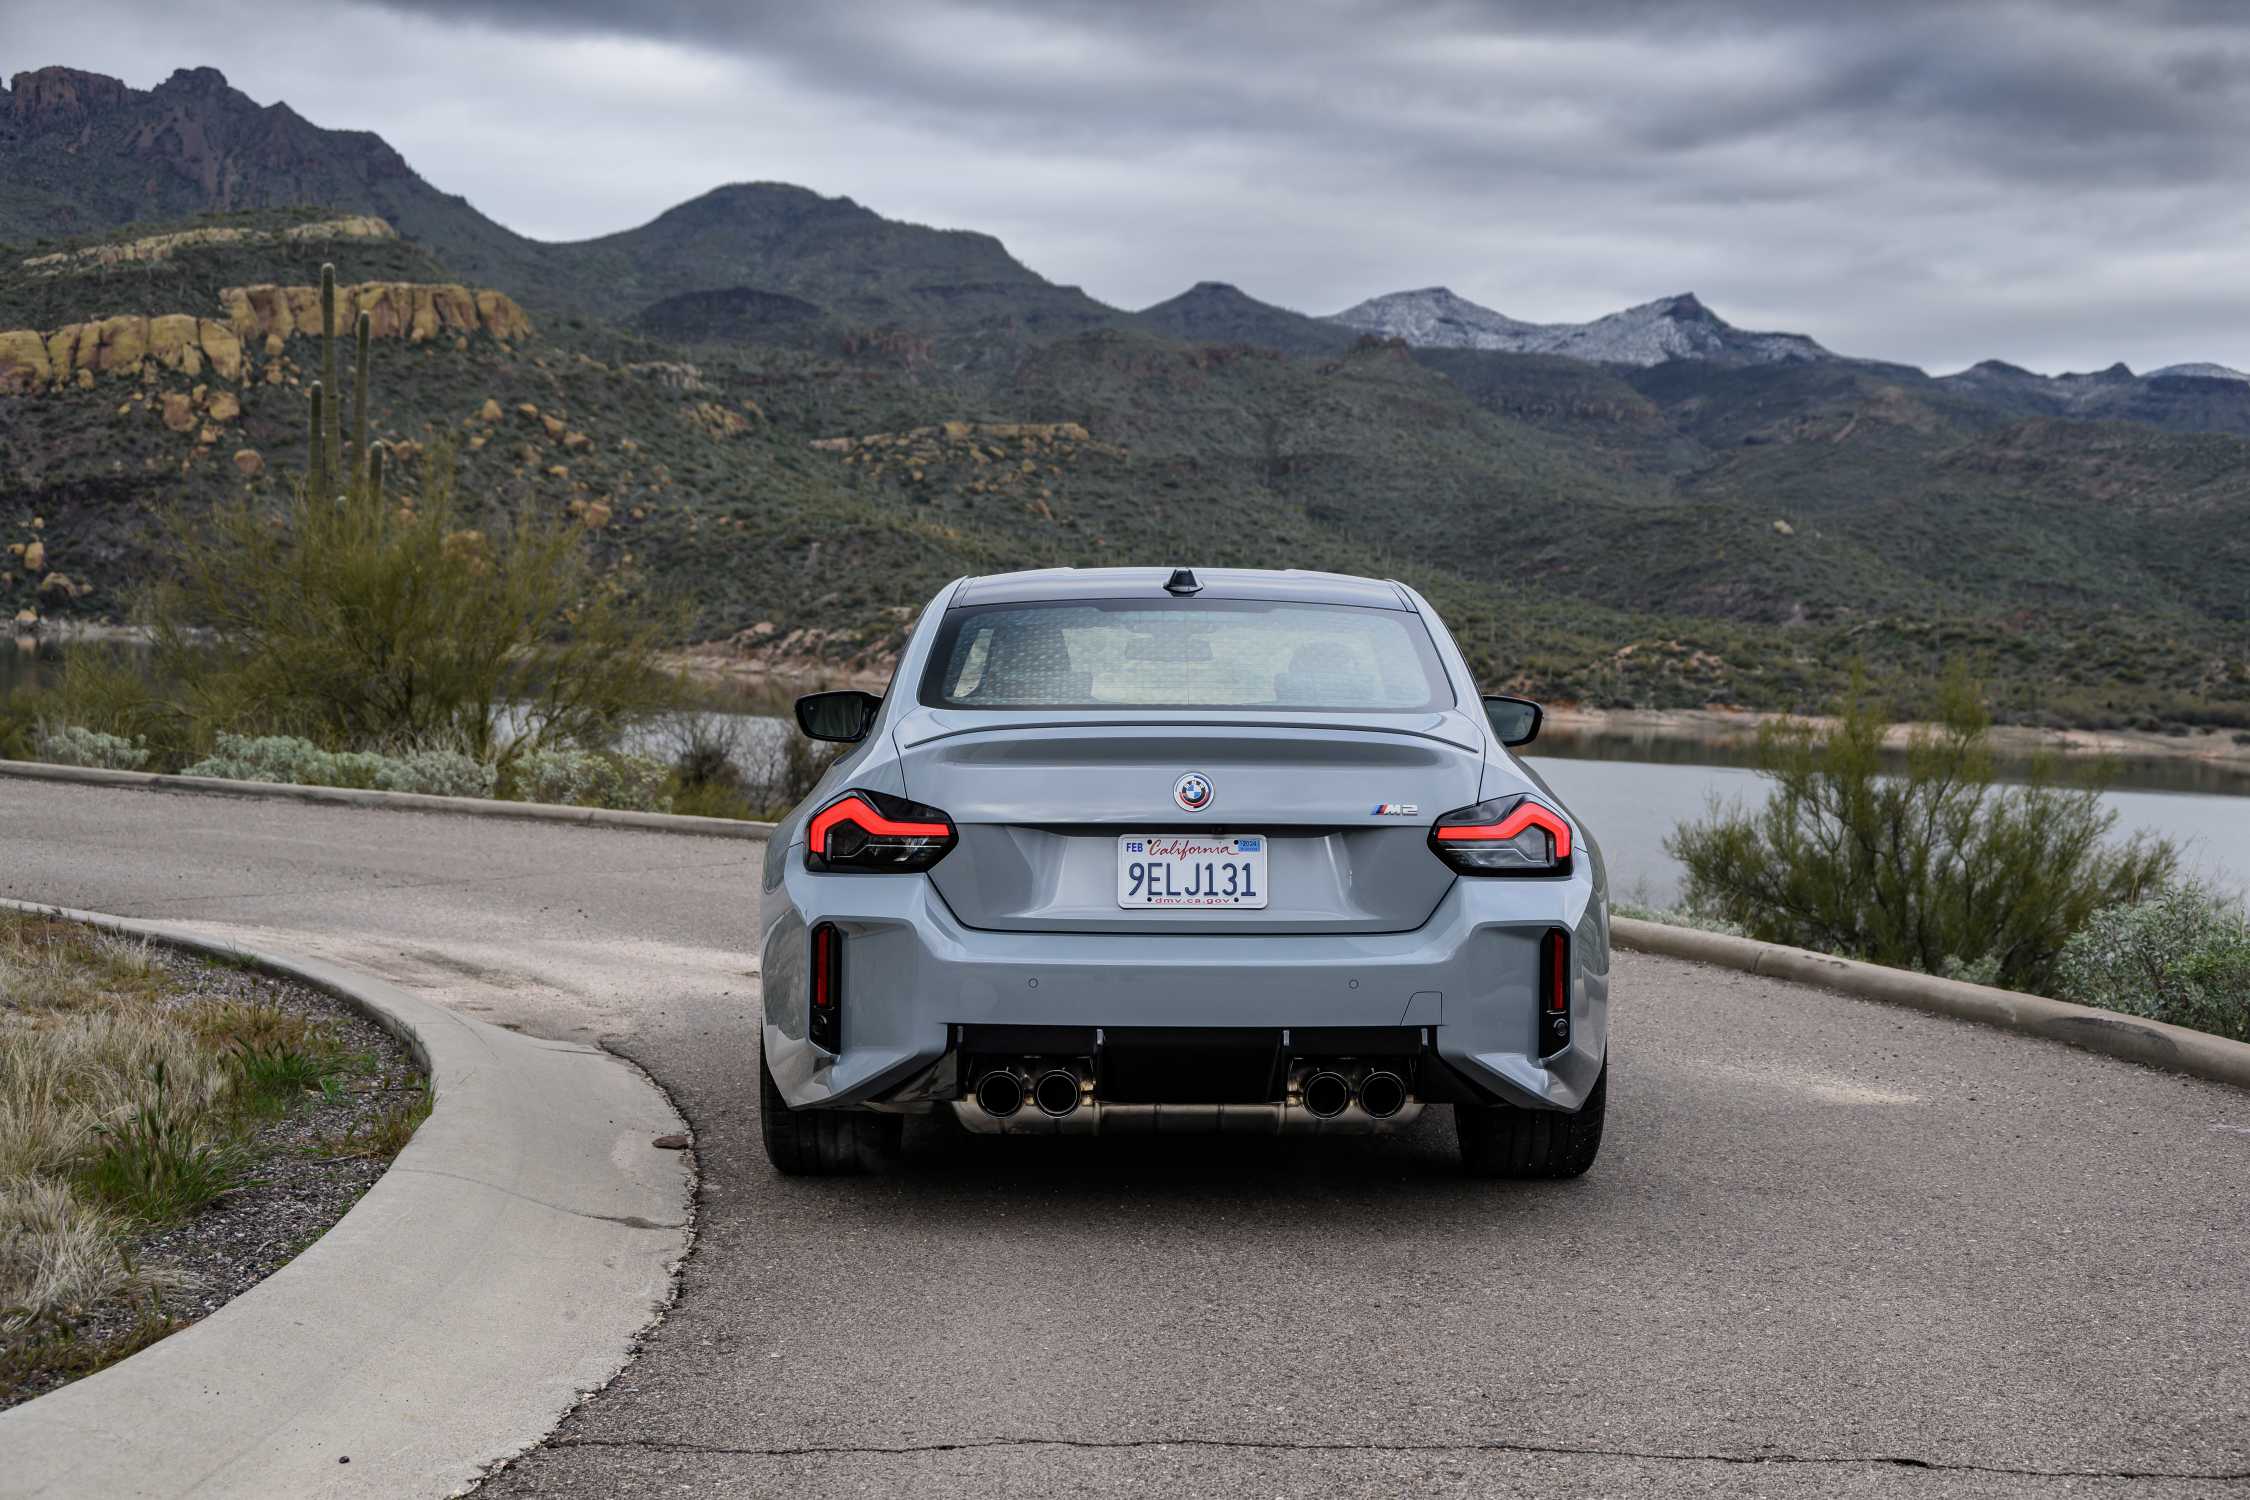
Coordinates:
(1059,1096)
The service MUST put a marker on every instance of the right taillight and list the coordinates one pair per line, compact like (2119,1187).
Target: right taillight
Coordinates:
(1516,835)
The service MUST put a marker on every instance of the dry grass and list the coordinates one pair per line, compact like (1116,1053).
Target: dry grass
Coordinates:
(123,1103)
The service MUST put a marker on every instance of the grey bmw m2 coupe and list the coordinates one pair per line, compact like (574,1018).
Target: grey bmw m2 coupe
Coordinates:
(1137,849)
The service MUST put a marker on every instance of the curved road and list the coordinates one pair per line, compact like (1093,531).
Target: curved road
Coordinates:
(1830,1248)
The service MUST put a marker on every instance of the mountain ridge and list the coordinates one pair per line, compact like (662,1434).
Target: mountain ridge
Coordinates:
(1674,327)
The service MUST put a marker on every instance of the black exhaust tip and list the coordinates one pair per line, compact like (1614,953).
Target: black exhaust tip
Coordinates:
(1382,1094)
(1000,1093)
(1327,1094)
(1056,1093)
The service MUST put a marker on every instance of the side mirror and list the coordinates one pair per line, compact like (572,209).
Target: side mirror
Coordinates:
(844,716)
(1514,720)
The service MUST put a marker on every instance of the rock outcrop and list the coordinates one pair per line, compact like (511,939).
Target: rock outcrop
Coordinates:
(267,315)
(414,311)
(161,246)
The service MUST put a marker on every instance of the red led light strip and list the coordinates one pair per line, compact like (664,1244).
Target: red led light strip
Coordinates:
(1526,815)
(858,810)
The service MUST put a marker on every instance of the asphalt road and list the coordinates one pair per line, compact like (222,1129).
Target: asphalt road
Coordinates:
(1830,1248)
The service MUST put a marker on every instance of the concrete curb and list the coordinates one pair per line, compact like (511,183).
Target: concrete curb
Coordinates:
(502,1268)
(338,796)
(2132,1038)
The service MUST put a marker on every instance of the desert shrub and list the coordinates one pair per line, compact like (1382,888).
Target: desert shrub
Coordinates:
(782,771)
(706,749)
(2182,955)
(105,687)
(590,778)
(1938,867)
(352,616)
(75,745)
(299,762)
(438,773)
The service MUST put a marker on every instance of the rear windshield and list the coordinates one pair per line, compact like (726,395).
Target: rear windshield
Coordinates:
(1184,653)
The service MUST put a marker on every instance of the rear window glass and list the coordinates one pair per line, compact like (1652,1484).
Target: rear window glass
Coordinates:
(1183,653)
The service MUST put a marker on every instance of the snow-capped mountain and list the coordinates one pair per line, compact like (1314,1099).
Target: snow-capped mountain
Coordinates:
(2203,371)
(1669,328)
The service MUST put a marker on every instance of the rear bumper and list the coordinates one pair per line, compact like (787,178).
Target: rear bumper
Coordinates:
(916,979)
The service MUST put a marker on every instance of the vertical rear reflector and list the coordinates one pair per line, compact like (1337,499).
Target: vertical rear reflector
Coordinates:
(1554,991)
(825,1019)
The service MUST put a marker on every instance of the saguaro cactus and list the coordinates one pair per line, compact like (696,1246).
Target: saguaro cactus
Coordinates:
(375,473)
(335,428)
(316,464)
(360,456)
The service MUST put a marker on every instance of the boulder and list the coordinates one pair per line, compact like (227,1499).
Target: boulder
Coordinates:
(224,406)
(489,412)
(179,411)
(221,349)
(35,557)
(24,365)
(250,461)
(172,340)
(124,344)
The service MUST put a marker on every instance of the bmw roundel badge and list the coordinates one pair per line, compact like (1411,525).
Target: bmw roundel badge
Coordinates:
(1192,791)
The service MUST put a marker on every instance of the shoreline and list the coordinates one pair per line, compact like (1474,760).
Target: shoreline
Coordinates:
(1739,728)
(712,662)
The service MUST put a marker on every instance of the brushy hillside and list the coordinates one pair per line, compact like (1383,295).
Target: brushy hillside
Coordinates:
(798,418)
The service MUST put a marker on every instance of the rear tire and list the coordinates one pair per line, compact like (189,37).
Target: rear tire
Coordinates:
(1500,1140)
(822,1142)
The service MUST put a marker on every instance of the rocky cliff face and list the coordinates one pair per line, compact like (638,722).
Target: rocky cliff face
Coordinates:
(1669,328)
(259,319)
(51,99)
(82,151)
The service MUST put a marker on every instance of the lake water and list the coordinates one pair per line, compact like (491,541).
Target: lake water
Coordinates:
(1632,804)
(1633,790)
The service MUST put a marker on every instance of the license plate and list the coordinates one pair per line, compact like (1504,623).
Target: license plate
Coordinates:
(1167,869)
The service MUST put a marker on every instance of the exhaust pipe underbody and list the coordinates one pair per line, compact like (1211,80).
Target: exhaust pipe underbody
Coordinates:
(1338,1099)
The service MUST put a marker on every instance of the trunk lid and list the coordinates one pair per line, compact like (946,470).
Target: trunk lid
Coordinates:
(1041,799)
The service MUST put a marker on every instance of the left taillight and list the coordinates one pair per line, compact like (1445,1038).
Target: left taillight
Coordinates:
(875,833)
(1516,835)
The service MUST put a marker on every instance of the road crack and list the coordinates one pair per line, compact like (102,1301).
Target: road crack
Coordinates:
(1563,1450)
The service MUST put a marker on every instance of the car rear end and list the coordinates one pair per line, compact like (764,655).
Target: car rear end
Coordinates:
(1127,852)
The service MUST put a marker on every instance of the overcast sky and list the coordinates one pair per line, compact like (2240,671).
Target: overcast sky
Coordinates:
(2056,184)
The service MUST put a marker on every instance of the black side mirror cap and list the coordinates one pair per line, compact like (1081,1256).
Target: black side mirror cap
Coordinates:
(844,716)
(1514,720)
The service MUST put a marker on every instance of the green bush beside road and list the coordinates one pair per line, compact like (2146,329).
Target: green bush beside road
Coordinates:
(1939,867)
